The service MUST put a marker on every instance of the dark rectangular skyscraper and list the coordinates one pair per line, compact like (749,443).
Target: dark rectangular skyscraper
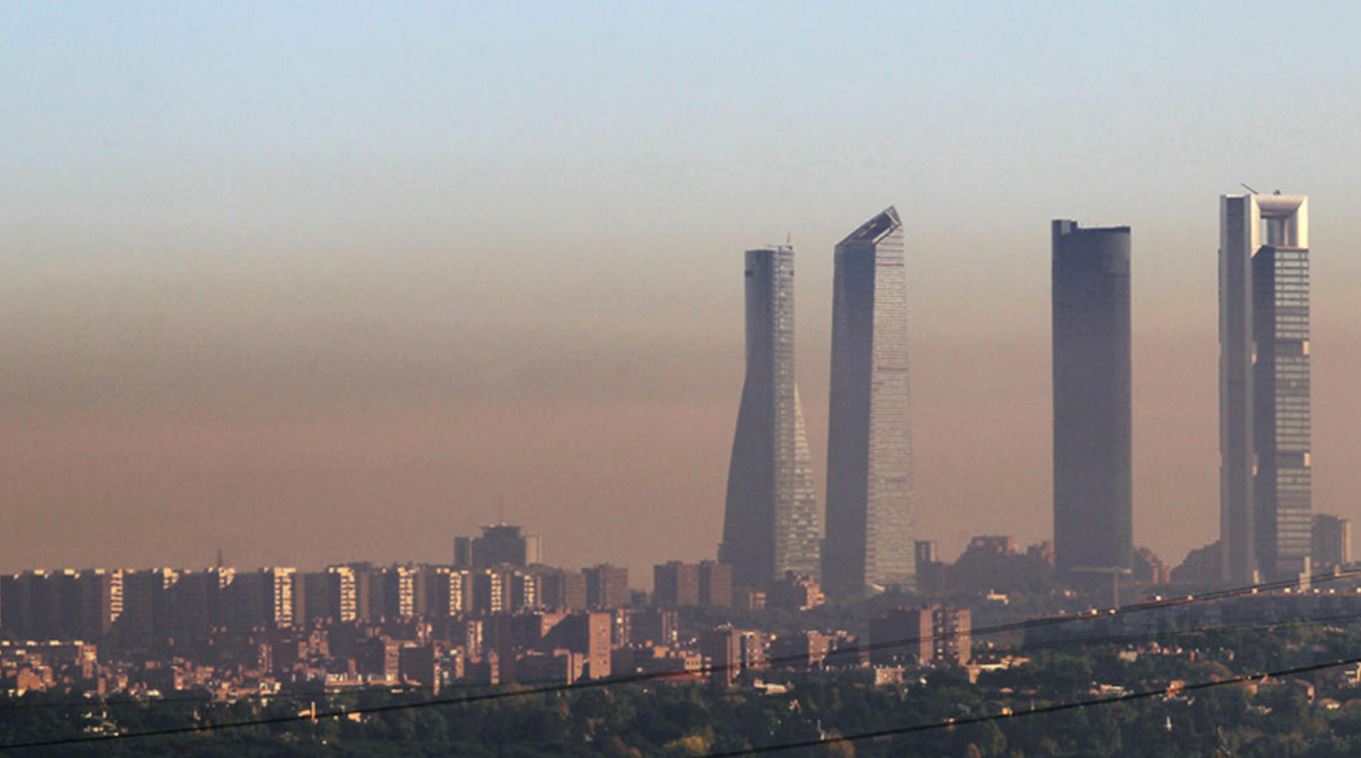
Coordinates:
(869,435)
(1264,415)
(1093,480)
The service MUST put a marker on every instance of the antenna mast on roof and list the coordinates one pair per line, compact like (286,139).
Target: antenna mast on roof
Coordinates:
(1249,189)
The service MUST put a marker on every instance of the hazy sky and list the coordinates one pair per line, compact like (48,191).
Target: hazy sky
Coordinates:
(325,282)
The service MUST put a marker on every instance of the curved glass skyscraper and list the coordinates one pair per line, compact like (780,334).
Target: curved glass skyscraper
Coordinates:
(770,522)
(869,435)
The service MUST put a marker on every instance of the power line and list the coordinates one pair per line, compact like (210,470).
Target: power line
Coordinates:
(1189,632)
(656,676)
(915,728)
(856,652)
(830,658)
(1160,634)
(1141,607)
(949,723)
(411,689)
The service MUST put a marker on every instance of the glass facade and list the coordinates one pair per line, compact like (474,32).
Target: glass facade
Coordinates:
(770,521)
(870,527)
(1283,485)
(1266,480)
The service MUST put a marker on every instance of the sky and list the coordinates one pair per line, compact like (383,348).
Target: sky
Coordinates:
(320,282)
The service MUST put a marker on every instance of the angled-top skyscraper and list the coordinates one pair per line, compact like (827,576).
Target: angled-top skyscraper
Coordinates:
(1093,480)
(770,523)
(869,435)
(1264,424)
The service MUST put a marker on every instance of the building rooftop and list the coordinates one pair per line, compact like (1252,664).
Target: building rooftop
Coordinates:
(1277,205)
(1077,228)
(876,228)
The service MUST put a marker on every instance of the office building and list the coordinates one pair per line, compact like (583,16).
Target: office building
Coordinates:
(100,605)
(795,593)
(929,634)
(199,601)
(333,594)
(869,438)
(1264,415)
(589,634)
(396,592)
(262,599)
(490,595)
(447,591)
(722,651)
(715,584)
(66,604)
(804,649)
(1093,470)
(930,570)
(563,590)
(607,587)
(675,584)
(652,626)
(500,544)
(1332,541)
(147,605)
(526,590)
(770,521)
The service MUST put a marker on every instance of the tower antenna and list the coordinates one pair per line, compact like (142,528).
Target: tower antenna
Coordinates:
(1249,189)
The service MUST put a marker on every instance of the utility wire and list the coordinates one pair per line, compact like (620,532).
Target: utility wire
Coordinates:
(657,676)
(1141,607)
(1023,647)
(831,658)
(1057,708)
(1187,632)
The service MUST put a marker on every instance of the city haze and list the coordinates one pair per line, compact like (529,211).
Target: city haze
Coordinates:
(307,288)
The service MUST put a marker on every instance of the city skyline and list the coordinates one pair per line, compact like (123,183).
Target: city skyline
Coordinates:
(377,378)
(777,319)
(341,285)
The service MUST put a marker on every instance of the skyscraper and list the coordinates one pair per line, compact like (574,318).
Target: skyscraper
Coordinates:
(499,544)
(1332,540)
(770,522)
(869,440)
(1093,481)
(607,587)
(1264,424)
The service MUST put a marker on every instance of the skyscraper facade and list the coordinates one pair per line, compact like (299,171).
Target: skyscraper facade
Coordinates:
(1093,479)
(869,442)
(770,522)
(1264,416)
(500,544)
(1332,541)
